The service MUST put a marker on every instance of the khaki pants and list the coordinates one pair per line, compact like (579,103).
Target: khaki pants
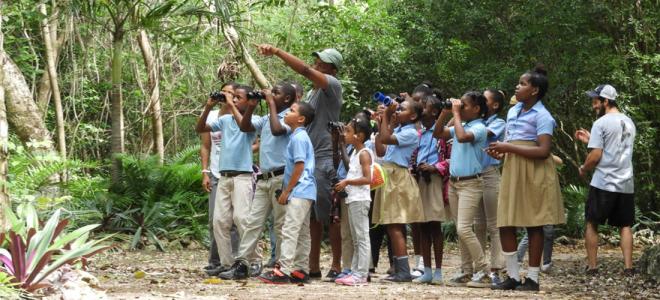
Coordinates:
(464,198)
(262,204)
(486,219)
(232,205)
(296,241)
(346,238)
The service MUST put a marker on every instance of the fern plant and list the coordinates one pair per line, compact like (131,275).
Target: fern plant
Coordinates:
(154,201)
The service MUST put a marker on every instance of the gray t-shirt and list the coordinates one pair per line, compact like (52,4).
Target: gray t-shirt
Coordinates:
(615,134)
(327,105)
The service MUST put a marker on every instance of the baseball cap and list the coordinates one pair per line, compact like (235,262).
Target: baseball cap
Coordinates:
(330,56)
(604,90)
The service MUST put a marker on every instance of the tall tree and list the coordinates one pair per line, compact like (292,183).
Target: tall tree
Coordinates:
(153,83)
(4,140)
(52,75)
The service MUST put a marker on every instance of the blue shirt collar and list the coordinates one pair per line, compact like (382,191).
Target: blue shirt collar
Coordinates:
(473,122)
(411,125)
(424,129)
(537,107)
(282,113)
(299,129)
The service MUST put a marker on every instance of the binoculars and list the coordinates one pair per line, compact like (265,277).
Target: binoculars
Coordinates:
(335,125)
(386,100)
(218,96)
(447,104)
(256,95)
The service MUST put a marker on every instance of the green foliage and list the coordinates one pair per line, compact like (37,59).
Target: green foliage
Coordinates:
(575,198)
(8,288)
(32,253)
(154,201)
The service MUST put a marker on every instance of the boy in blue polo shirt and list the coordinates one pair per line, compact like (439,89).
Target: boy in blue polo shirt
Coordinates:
(466,184)
(298,194)
(234,194)
(274,138)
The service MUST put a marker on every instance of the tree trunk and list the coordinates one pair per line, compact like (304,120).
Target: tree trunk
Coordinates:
(239,47)
(22,112)
(4,140)
(116,105)
(154,106)
(43,87)
(52,75)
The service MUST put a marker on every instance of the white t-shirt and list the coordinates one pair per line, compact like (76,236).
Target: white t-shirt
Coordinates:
(216,140)
(358,192)
(615,134)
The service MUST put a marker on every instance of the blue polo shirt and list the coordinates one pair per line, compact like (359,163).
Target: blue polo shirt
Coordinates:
(236,145)
(527,126)
(300,149)
(428,147)
(408,140)
(271,148)
(496,126)
(466,158)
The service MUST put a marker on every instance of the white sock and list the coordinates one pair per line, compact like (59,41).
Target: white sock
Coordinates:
(417,261)
(533,274)
(512,267)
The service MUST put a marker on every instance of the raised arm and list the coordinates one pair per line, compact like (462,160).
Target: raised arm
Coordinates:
(386,133)
(296,64)
(441,131)
(245,121)
(276,127)
(201,125)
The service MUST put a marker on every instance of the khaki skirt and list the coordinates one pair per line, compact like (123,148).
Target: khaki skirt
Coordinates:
(529,192)
(398,201)
(431,193)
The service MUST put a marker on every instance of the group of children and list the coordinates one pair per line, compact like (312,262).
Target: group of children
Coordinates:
(441,160)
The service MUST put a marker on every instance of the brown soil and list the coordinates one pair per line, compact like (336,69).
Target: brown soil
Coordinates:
(178,275)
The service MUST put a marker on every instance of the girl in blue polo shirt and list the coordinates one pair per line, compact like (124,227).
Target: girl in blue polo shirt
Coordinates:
(398,202)
(465,182)
(529,190)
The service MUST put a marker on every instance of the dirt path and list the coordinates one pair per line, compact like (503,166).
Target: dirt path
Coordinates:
(178,275)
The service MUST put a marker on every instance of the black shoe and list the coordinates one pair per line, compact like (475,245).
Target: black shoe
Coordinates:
(629,272)
(299,276)
(315,275)
(591,272)
(507,285)
(275,277)
(369,278)
(217,270)
(528,285)
(255,270)
(210,267)
(372,270)
(237,271)
(332,275)
(399,277)
(270,264)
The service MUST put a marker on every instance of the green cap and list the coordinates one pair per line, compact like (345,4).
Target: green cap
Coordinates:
(330,56)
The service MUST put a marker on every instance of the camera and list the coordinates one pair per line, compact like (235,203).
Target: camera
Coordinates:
(335,125)
(218,96)
(386,100)
(447,104)
(417,173)
(335,207)
(256,95)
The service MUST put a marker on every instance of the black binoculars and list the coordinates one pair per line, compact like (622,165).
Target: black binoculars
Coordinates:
(218,96)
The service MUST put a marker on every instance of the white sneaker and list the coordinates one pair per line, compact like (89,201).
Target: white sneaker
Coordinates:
(546,268)
(416,273)
(480,280)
